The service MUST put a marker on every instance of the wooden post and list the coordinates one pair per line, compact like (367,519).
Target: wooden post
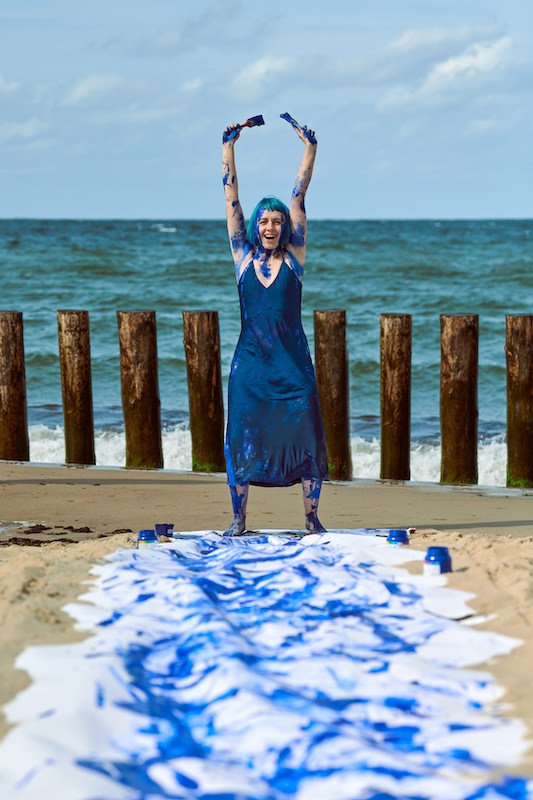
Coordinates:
(14,441)
(331,364)
(458,397)
(201,339)
(75,363)
(519,352)
(395,358)
(140,389)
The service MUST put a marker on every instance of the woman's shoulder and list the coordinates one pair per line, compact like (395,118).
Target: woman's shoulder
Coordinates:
(243,265)
(293,264)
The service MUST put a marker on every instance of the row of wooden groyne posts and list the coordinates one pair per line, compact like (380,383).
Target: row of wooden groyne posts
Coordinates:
(141,403)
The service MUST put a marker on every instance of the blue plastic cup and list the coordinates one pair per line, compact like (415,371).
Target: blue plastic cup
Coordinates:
(437,561)
(398,536)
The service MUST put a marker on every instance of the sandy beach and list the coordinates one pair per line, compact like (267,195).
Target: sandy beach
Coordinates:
(58,521)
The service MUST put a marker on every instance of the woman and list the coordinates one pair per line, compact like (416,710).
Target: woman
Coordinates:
(275,435)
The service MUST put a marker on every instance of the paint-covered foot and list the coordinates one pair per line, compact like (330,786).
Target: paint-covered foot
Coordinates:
(237,527)
(313,524)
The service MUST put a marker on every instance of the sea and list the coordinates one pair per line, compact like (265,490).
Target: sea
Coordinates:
(420,267)
(274,665)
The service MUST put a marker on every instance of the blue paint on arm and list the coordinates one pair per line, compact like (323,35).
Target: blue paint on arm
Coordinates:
(238,240)
(225,174)
(227,178)
(298,236)
(240,247)
(300,188)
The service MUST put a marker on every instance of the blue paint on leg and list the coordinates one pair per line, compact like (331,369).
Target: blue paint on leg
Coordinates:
(311,493)
(239,500)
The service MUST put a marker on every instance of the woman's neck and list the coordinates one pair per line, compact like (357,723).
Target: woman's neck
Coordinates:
(267,260)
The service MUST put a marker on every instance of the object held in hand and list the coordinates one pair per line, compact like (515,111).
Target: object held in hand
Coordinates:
(306,132)
(232,131)
(288,117)
(252,122)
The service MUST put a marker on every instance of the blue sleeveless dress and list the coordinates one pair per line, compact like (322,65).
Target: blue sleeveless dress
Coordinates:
(275,435)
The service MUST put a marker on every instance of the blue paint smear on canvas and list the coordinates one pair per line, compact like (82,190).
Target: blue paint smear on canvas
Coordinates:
(276,667)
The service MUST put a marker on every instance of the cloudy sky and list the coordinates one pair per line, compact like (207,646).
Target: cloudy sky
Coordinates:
(115,108)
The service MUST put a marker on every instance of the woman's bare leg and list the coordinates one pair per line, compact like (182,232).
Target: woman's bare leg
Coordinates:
(239,500)
(311,492)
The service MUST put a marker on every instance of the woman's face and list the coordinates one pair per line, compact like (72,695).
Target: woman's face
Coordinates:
(270,228)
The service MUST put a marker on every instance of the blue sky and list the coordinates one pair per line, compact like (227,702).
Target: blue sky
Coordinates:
(115,108)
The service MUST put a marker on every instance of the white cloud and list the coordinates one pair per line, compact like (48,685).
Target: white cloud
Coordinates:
(454,77)
(408,129)
(219,23)
(21,130)
(480,126)
(8,87)
(171,40)
(134,115)
(256,78)
(93,87)
(192,86)
(477,58)
(435,39)
(416,51)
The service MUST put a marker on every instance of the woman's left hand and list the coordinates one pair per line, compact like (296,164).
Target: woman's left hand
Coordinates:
(306,135)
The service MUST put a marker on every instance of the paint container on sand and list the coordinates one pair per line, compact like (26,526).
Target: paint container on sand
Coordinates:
(164,529)
(146,540)
(437,560)
(398,536)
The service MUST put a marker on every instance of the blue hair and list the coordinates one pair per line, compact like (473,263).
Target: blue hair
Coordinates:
(269,204)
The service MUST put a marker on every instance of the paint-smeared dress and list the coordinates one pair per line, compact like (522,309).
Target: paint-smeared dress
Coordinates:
(275,435)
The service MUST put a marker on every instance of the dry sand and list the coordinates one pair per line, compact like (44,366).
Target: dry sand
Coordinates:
(89,512)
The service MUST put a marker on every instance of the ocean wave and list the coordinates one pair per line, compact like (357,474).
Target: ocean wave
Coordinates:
(164,228)
(47,445)
(367,267)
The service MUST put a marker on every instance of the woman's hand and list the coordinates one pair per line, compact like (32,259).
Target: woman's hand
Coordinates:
(307,136)
(231,134)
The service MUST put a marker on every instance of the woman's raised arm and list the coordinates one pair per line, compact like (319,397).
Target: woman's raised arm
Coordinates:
(240,247)
(297,245)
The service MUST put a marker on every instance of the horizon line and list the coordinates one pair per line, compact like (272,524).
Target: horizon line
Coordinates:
(222,219)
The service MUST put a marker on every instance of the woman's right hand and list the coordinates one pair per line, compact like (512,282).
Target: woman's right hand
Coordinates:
(306,135)
(231,134)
